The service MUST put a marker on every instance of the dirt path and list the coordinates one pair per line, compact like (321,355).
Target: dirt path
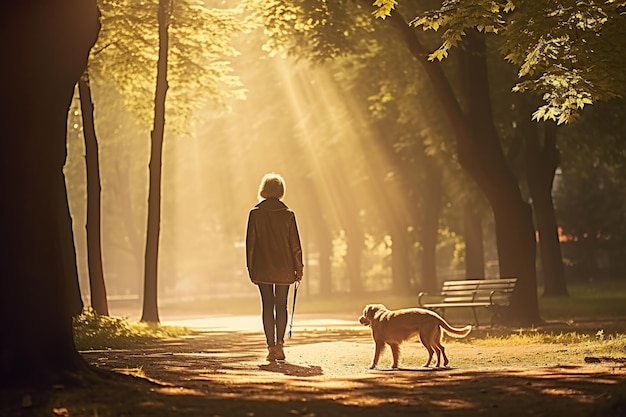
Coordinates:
(221,371)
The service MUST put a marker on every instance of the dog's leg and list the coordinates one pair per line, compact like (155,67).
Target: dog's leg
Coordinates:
(445,358)
(441,350)
(395,351)
(438,351)
(427,344)
(435,342)
(377,351)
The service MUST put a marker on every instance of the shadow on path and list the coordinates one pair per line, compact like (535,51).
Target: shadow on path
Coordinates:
(292,369)
(223,373)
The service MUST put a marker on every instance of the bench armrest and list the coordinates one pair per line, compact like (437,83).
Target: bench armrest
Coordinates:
(419,298)
(422,295)
(494,292)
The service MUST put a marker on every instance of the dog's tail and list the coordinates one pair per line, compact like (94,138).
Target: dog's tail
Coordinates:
(455,331)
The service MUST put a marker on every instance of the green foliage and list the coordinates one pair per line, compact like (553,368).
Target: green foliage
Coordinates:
(94,331)
(384,8)
(316,29)
(199,47)
(458,16)
(563,54)
(566,92)
(571,52)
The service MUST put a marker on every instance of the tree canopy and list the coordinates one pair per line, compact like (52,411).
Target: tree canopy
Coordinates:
(567,52)
(200,43)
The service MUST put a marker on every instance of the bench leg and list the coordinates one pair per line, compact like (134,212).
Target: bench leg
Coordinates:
(475,317)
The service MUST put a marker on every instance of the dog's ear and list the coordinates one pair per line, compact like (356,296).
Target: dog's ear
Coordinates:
(371,310)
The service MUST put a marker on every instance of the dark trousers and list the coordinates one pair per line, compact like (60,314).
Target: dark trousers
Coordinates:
(274,301)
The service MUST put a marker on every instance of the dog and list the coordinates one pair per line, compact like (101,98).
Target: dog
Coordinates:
(393,327)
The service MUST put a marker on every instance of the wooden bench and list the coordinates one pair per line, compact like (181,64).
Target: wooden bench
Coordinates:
(494,294)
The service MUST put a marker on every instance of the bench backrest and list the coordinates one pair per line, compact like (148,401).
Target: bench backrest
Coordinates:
(478,290)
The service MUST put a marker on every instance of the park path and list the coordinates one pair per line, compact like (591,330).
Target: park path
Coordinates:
(222,366)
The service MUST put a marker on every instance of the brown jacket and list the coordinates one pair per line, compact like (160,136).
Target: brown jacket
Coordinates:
(273,250)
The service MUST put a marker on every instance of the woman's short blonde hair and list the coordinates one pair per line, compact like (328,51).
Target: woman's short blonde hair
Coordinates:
(272,186)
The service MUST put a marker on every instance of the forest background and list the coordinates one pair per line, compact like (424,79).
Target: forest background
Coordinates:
(383,169)
(358,129)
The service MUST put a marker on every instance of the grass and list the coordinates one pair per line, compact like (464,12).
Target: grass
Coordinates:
(93,331)
(611,344)
(601,299)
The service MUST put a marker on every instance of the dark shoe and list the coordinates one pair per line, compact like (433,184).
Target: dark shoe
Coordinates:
(271,353)
(280,353)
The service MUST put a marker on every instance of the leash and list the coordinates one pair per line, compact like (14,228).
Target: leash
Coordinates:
(293,306)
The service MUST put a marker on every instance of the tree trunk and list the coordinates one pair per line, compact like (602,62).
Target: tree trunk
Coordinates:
(320,230)
(325,246)
(401,272)
(542,160)
(515,231)
(431,211)
(351,224)
(150,299)
(39,291)
(474,248)
(94,242)
(355,242)
(397,220)
(482,157)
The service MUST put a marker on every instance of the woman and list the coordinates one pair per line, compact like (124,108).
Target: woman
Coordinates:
(273,258)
